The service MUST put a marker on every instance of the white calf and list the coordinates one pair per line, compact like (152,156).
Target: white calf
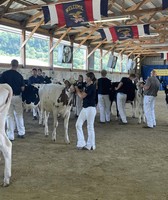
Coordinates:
(139,103)
(5,143)
(55,98)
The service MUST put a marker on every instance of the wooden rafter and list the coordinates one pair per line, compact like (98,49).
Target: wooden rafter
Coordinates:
(142,3)
(112,48)
(3,1)
(6,8)
(67,31)
(33,31)
(96,48)
(34,17)
(87,37)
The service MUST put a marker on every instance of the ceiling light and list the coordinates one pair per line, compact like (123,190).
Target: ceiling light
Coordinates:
(112,19)
(151,35)
(155,45)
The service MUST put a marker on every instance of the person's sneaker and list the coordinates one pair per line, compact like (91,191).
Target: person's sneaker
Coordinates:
(147,127)
(21,136)
(123,123)
(35,118)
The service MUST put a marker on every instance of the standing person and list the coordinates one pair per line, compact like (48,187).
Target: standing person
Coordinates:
(87,113)
(104,85)
(15,113)
(124,89)
(34,79)
(40,76)
(151,89)
(79,101)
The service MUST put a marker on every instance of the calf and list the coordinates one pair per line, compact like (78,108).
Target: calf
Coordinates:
(130,97)
(139,102)
(57,99)
(5,143)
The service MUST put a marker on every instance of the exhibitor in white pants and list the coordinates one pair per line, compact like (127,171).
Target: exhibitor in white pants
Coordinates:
(15,113)
(149,110)
(121,101)
(104,107)
(88,114)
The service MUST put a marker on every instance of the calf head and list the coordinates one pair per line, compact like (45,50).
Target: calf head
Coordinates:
(30,95)
(66,96)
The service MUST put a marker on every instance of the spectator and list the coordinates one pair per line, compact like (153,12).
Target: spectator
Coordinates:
(40,76)
(46,78)
(15,113)
(34,78)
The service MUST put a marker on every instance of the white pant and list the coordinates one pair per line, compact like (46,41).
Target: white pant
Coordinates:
(149,110)
(79,104)
(104,107)
(121,101)
(89,115)
(15,114)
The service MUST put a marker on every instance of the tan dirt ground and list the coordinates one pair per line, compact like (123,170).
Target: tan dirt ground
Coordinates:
(130,162)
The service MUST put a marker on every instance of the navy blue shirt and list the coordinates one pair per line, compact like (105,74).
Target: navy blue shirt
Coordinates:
(128,88)
(90,99)
(14,79)
(104,85)
(81,85)
(33,80)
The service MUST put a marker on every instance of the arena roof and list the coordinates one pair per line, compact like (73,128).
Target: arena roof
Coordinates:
(28,15)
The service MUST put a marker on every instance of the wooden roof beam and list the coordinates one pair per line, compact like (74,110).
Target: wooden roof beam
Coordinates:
(67,31)
(96,48)
(6,8)
(142,3)
(87,37)
(112,48)
(36,16)
(33,31)
(25,3)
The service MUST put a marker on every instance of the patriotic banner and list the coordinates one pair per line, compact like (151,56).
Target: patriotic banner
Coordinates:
(124,32)
(72,14)
(164,4)
(164,55)
(161,72)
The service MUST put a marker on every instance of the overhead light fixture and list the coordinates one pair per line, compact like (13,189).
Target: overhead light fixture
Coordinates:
(112,19)
(155,45)
(150,35)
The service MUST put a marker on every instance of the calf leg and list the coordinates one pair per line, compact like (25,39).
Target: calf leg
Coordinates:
(133,109)
(46,123)
(6,148)
(54,134)
(66,124)
(41,113)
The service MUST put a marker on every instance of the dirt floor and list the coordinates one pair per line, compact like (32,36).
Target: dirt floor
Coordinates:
(130,162)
